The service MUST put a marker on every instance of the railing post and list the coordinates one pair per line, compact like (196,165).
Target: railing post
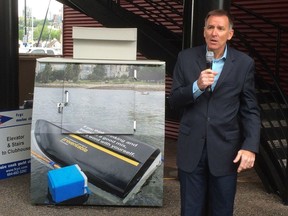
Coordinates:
(9,58)
(187,23)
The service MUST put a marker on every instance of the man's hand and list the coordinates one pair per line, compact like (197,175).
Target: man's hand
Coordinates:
(206,79)
(246,158)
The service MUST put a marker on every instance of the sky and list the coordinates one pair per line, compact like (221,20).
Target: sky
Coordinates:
(39,7)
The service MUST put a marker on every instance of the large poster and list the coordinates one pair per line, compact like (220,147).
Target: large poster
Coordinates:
(15,127)
(97,134)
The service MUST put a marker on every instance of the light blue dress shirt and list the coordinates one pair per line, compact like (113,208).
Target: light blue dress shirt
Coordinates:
(217,66)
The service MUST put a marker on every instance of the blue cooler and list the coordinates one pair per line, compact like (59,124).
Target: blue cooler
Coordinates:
(67,183)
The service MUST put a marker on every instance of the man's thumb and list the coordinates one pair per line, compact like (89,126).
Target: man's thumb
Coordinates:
(238,157)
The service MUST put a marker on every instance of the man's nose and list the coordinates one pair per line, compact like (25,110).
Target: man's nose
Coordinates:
(214,31)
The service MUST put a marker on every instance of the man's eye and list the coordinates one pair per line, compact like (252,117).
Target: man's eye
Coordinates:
(210,27)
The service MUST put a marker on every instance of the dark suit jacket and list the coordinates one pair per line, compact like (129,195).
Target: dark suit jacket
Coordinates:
(228,120)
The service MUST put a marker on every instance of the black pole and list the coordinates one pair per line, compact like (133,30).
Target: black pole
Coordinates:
(39,39)
(193,19)
(187,23)
(9,57)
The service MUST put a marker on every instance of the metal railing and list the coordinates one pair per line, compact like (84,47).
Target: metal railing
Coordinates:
(165,13)
(269,39)
(264,41)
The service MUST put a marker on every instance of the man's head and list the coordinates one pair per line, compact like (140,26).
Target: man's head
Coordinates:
(218,30)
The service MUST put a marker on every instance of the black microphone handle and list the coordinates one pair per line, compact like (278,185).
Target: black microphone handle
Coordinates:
(209,66)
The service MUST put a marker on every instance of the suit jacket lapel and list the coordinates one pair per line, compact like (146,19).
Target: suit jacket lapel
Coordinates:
(226,68)
(201,61)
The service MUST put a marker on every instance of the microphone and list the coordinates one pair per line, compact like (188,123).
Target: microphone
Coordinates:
(209,62)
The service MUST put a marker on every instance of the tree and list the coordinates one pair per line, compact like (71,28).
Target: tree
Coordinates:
(49,32)
(44,76)
(72,72)
(98,73)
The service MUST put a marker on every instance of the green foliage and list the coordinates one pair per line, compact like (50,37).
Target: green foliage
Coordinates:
(45,75)
(48,31)
(49,75)
(71,72)
(98,73)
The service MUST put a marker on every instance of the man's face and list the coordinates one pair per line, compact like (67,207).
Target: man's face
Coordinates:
(216,33)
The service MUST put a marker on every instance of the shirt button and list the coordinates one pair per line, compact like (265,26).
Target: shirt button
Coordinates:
(208,119)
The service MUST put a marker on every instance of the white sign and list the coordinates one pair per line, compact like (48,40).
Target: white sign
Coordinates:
(15,138)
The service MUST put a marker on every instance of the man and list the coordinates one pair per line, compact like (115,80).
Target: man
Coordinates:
(219,129)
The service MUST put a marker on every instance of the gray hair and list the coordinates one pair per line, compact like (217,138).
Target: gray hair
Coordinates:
(220,12)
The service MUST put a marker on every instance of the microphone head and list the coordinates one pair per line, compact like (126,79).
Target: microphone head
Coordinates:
(209,56)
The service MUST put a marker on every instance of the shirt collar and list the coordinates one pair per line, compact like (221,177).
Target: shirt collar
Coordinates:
(224,56)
